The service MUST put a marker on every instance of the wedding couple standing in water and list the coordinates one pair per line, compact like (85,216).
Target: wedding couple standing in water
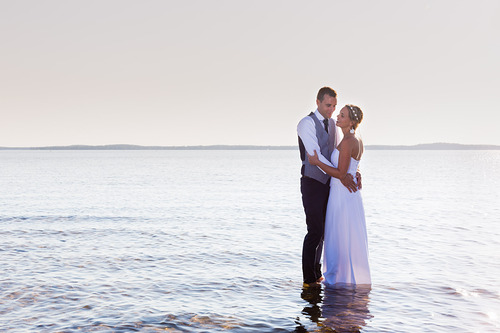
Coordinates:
(331,198)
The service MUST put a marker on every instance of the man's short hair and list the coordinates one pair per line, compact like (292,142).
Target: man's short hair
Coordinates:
(326,91)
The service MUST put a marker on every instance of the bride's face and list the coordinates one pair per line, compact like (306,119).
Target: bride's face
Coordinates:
(343,119)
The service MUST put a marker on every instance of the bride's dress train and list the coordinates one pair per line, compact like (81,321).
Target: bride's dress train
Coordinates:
(345,259)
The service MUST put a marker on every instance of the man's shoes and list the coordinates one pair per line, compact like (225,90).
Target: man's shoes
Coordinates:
(312,285)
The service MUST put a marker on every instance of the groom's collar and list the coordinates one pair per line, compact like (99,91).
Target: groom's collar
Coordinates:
(318,115)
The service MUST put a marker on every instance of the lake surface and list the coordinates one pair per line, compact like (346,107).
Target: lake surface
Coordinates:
(210,241)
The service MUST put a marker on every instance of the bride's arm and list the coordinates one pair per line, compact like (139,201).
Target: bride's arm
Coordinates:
(329,170)
(340,172)
(344,160)
(346,150)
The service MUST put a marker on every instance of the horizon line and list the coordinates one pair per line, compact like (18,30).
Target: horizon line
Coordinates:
(421,146)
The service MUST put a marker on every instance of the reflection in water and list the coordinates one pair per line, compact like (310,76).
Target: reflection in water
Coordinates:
(345,309)
(312,310)
(339,309)
(313,296)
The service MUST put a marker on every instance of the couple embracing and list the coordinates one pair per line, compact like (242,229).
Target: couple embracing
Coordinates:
(332,202)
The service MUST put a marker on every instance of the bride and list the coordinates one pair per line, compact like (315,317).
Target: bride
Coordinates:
(345,259)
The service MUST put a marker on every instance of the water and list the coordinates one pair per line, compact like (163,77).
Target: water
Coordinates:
(210,241)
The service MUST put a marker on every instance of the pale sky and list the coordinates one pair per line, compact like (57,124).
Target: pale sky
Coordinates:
(245,72)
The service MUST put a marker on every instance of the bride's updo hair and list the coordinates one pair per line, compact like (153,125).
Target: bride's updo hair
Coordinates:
(355,114)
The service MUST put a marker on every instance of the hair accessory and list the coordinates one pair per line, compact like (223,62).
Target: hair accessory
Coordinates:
(353,112)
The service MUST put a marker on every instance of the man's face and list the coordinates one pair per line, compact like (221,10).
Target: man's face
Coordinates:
(327,106)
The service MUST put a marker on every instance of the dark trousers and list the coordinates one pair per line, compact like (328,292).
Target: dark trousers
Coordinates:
(314,198)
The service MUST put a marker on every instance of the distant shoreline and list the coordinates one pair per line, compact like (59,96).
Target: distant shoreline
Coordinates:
(428,146)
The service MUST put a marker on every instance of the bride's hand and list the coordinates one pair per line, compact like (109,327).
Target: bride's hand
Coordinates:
(313,159)
(358,180)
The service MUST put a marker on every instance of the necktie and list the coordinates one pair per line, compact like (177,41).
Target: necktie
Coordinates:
(325,121)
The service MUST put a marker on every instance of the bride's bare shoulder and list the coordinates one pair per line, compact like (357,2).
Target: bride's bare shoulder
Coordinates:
(351,141)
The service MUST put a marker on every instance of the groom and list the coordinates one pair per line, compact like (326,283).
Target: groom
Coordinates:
(317,132)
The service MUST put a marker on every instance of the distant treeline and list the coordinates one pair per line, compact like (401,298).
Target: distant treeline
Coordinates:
(435,146)
(429,146)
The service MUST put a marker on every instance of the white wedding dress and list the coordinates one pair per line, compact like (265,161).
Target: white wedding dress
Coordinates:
(345,258)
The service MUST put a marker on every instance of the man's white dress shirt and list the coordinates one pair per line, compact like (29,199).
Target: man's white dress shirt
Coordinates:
(306,130)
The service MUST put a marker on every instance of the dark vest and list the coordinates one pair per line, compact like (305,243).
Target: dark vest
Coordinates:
(326,143)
